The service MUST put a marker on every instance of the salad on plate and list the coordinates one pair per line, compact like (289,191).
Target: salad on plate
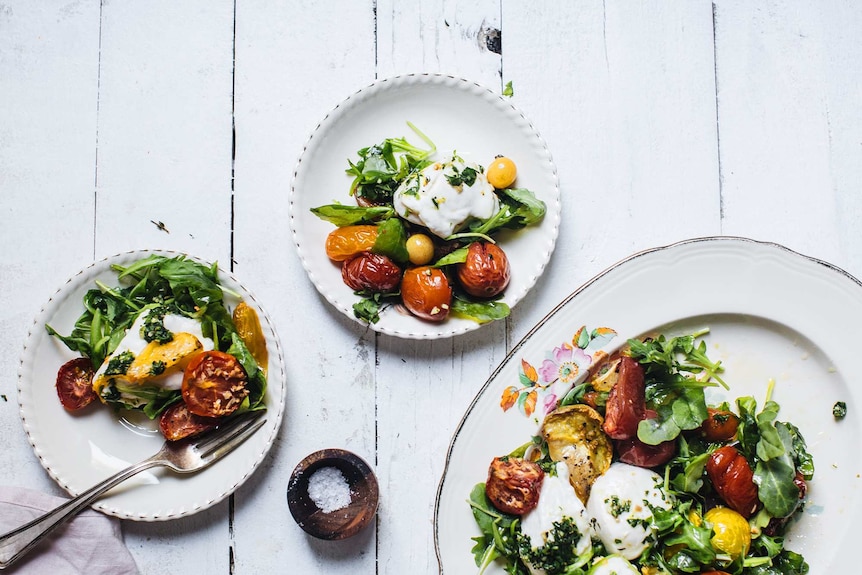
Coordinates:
(163,343)
(427,231)
(632,471)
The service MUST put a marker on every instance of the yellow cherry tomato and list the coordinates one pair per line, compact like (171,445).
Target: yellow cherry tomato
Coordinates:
(420,249)
(731,532)
(250,332)
(502,173)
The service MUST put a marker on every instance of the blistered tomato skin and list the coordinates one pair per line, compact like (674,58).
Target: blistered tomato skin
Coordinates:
(502,173)
(486,272)
(732,478)
(731,533)
(513,485)
(370,272)
(347,241)
(426,293)
(719,425)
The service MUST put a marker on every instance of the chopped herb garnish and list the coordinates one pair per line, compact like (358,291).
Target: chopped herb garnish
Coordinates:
(839,410)
(119,364)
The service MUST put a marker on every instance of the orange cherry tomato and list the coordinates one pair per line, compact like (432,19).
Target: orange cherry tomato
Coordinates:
(250,332)
(347,241)
(214,384)
(426,292)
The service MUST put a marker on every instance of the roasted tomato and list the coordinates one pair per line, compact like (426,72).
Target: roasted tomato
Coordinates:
(732,478)
(513,485)
(177,422)
(636,452)
(75,384)
(426,292)
(486,272)
(214,384)
(626,405)
(370,272)
(347,241)
(719,425)
(574,435)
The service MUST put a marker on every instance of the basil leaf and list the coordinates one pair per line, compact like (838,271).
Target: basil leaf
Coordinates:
(391,240)
(480,312)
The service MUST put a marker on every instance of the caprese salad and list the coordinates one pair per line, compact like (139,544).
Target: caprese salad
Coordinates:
(422,232)
(164,343)
(632,472)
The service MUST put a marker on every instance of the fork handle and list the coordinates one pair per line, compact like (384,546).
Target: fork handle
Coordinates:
(14,544)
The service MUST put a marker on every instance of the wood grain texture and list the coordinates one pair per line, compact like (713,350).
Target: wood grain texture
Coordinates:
(666,121)
(47,167)
(785,85)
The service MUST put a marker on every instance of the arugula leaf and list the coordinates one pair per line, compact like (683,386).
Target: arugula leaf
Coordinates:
(519,208)
(381,168)
(352,215)
(498,529)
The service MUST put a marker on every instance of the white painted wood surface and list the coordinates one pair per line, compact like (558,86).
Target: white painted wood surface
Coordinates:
(666,121)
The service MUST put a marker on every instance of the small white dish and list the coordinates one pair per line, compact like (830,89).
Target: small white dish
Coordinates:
(456,114)
(80,449)
(772,314)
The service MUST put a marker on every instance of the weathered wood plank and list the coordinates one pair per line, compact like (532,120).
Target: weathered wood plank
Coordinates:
(288,77)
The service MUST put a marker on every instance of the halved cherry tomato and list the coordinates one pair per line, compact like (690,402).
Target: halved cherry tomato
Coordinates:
(177,422)
(214,384)
(75,383)
(347,241)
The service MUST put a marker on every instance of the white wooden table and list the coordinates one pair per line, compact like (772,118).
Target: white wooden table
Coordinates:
(667,120)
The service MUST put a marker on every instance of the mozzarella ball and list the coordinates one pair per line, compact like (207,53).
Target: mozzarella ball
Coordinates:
(620,504)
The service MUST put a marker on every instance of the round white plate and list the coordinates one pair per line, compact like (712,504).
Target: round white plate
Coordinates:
(772,314)
(81,449)
(456,114)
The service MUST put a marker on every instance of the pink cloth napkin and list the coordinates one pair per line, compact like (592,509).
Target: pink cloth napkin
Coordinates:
(91,543)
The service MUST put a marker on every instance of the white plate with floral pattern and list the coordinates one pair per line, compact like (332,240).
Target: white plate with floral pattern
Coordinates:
(773,314)
(457,115)
(80,449)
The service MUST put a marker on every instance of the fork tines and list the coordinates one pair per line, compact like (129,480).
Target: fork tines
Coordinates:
(228,436)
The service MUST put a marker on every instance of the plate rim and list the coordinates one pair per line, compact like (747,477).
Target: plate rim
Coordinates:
(580,289)
(28,352)
(413,79)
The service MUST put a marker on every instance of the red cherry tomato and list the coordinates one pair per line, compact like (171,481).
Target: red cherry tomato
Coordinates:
(75,384)
(177,422)
(214,384)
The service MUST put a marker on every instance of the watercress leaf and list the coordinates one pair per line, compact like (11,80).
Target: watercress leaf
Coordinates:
(803,460)
(352,215)
(480,312)
(775,487)
(654,431)
(391,240)
(367,309)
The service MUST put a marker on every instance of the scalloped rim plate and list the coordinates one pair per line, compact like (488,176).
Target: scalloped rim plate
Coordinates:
(772,314)
(456,114)
(79,450)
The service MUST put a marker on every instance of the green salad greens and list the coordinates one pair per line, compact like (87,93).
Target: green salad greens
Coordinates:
(718,456)
(151,288)
(378,173)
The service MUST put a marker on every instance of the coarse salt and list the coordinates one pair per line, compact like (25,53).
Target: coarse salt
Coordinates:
(328,489)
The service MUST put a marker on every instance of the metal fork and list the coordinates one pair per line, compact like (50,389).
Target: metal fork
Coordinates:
(185,456)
